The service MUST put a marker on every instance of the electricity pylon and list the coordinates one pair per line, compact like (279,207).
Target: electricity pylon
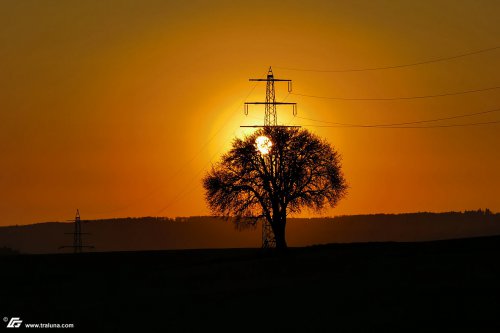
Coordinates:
(270,117)
(77,235)
(270,120)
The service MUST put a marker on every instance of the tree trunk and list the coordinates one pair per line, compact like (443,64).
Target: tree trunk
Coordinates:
(279,231)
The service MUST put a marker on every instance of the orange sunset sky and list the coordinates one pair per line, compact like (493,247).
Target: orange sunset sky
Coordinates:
(119,107)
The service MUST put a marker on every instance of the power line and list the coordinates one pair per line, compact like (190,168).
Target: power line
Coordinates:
(391,127)
(184,191)
(404,123)
(393,66)
(183,166)
(286,97)
(399,98)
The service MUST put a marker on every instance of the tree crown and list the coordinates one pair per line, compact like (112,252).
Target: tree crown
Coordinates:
(300,170)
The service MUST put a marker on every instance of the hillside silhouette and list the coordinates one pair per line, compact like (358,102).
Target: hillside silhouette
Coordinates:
(158,233)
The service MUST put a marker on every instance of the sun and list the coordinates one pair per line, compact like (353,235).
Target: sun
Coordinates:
(263,144)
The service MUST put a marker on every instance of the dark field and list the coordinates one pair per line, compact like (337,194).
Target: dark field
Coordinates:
(452,284)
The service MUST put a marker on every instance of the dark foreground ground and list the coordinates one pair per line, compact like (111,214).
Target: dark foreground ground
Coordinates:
(332,288)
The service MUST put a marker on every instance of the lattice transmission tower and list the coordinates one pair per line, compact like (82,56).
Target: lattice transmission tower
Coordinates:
(270,120)
(270,116)
(77,235)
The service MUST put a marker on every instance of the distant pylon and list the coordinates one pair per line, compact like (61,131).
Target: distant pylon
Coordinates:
(270,120)
(77,235)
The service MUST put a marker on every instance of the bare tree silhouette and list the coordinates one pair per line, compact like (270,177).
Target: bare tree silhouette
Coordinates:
(294,169)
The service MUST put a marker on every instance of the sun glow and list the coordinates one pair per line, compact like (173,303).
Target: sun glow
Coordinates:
(263,144)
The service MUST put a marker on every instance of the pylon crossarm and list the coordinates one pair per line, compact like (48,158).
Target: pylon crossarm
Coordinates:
(270,103)
(271,79)
(77,235)
(279,126)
